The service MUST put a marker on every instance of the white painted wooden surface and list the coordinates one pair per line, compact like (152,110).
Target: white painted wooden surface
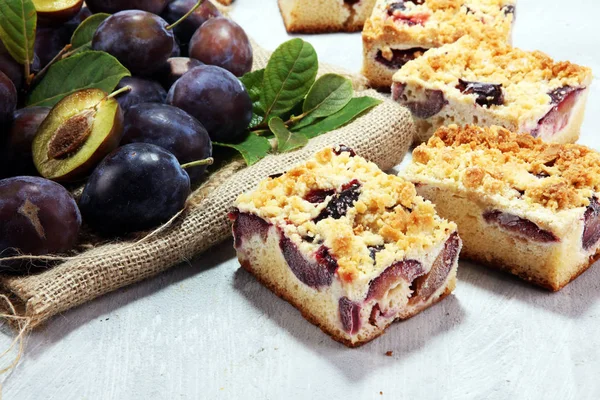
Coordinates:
(210,331)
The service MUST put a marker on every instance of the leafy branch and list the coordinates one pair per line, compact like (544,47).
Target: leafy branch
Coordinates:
(291,107)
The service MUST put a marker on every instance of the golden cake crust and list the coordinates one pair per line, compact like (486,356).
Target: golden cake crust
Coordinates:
(388,213)
(527,78)
(497,161)
(445,21)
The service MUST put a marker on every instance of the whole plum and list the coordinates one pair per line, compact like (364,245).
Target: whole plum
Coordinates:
(142,91)
(216,98)
(172,129)
(177,9)
(16,157)
(138,39)
(136,187)
(175,68)
(38,217)
(10,67)
(49,41)
(8,101)
(223,43)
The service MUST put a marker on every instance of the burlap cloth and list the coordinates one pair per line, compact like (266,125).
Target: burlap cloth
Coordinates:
(382,136)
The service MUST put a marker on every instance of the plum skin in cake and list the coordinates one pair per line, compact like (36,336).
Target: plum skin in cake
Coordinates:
(525,206)
(399,31)
(351,247)
(491,83)
(322,16)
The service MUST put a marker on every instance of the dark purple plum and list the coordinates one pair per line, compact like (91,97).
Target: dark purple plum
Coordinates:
(340,202)
(11,68)
(38,217)
(486,94)
(338,150)
(400,5)
(432,103)
(142,91)
(178,8)
(349,315)
(247,225)
(176,52)
(223,43)
(172,129)
(317,196)
(400,57)
(425,286)
(591,232)
(16,157)
(314,273)
(8,102)
(72,24)
(407,270)
(49,41)
(138,39)
(175,68)
(216,98)
(522,227)
(114,6)
(136,187)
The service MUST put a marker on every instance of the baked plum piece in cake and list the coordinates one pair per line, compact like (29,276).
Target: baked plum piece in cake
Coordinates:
(401,30)
(351,247)
(523,205)
(491,83)
(319,16)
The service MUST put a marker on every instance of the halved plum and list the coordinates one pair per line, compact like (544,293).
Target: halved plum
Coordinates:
(77,134)
(558,117)
(55,12)
(246,225)
(591,231)
(406,270)
(339,204)
(431,103)
(349,315)
(400,57)
(522,227)
(486,94)
(315,274)
(425,286)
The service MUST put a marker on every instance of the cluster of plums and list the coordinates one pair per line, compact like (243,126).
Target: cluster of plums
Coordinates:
(142,148)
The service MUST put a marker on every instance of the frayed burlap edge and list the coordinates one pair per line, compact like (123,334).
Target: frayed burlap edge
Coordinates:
(382,136)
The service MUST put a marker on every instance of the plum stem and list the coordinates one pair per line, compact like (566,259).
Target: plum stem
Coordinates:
(206,161)
(187,14)
(56,58)
(118,92)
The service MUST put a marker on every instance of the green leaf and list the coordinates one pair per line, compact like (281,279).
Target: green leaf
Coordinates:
(89,69)
(286,140)
(253,148)
(253,82)
(18,21)
(353,109)
(83,35)
(289,75)
(328,95)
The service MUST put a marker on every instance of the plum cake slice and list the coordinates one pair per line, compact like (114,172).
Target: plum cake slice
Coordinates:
(348,245)
(401,30)
(319,16)
(523,205)
(491,83)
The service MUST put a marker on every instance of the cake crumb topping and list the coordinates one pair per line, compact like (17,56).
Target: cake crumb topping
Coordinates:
(497,161)
(387,212)
(433,23)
